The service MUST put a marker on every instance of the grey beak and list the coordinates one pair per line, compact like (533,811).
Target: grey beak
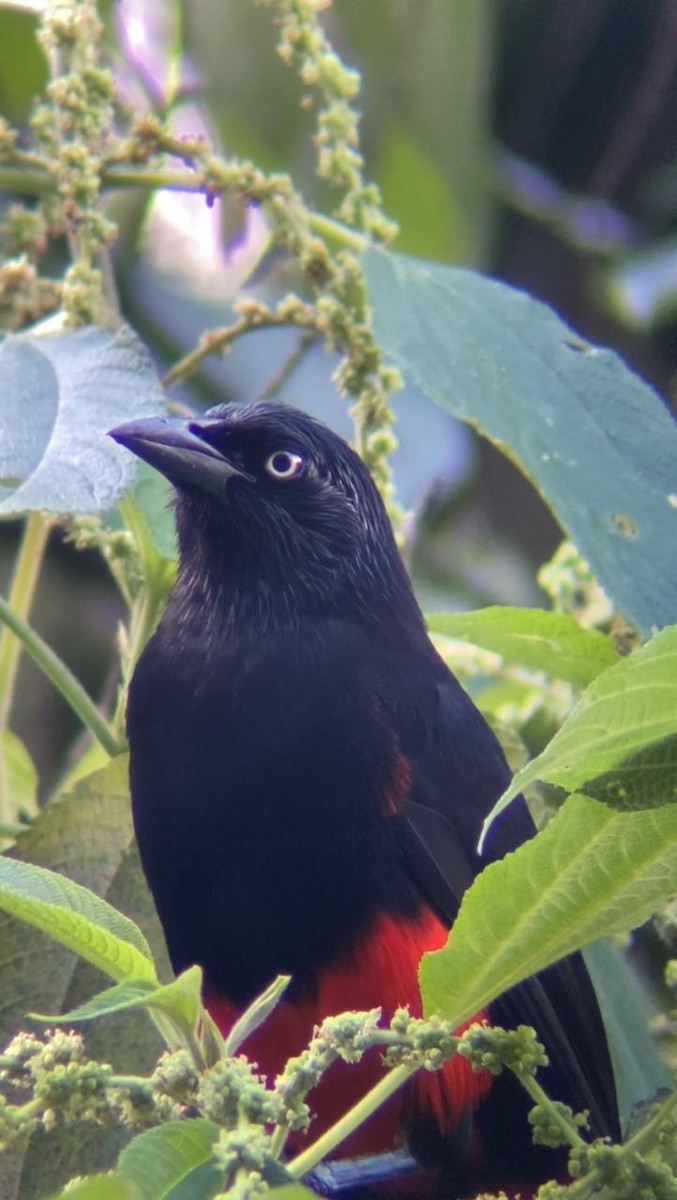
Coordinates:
(174,447)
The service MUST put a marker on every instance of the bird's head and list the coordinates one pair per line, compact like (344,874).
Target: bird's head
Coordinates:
(271,501)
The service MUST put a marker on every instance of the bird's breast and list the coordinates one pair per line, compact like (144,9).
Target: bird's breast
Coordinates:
(262,784)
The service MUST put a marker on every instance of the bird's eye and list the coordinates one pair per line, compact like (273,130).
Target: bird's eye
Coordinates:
(284,464)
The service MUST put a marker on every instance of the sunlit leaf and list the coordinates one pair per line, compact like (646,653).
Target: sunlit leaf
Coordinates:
(545,641)
(620,742)
(76,917)
(87,836)
(592,872)
(21,777)
(111,1186)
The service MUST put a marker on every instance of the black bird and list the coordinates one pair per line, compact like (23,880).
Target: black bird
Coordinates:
(309,781)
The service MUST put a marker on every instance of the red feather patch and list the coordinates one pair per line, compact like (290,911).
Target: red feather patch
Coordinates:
(381,972)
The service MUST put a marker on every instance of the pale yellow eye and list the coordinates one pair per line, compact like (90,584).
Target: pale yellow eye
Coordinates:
(284,464)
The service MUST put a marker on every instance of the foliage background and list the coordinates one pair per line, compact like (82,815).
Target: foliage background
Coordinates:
(489,131)
(457,98)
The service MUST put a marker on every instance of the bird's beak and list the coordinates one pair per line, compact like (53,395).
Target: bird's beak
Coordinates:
(174,447)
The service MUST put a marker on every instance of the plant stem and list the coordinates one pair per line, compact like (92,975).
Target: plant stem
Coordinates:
(324,1145)
(278,1140)
(217,341)
(335,231)
(567,1127)
(62,678)
(30,181)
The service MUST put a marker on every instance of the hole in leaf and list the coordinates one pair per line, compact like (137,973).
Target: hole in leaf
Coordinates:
(624,524)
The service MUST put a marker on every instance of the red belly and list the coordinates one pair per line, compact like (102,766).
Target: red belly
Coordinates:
(382,972)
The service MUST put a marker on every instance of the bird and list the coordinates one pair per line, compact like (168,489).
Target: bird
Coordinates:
(309,781)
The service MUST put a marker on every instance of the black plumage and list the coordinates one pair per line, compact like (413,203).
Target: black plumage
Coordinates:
(302,760)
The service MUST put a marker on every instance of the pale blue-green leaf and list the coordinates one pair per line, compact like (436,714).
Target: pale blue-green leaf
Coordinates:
(59,395)
(595,439)
(639,1071)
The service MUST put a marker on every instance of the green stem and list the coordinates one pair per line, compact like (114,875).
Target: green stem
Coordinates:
(31,182)
(63,679)
(335,231)
(278,1140)
(568,1129)
(324,1145)
(147,607)
(24,182)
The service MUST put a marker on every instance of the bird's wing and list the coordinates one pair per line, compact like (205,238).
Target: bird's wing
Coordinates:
(457,771)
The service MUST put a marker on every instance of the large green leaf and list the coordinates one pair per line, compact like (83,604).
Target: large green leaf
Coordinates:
(593,437)
(88,837)
(160,1159)
(111,1186)
(59,395)
(545,641)
(620,742)
(76,917)
(592,872)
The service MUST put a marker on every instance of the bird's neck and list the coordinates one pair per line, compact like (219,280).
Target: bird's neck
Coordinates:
(236,599)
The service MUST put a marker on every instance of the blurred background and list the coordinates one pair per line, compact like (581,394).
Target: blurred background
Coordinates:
(531,139)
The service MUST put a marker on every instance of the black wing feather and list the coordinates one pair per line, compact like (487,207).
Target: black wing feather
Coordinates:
(458,772)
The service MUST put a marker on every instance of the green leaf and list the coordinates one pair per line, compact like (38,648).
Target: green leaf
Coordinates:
(153,495)
(639,1071)
(59,395)
(256,1013)
(293,1191)
(591,873)
(595,439)
(87,836)
(111,1186)
(20,775)
(77,918)
(158,1160)
(620,742)
(418,194)
(132,994)
(545,641)
(23,66)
